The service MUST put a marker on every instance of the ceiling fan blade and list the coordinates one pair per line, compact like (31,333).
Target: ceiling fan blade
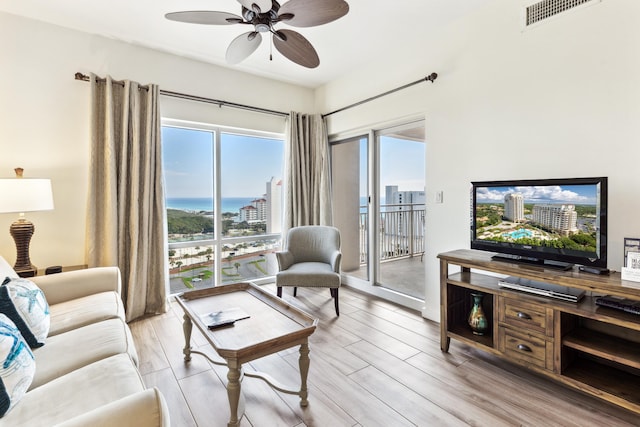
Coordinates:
(264,5)
(243,46)
(309,13)
(205,17)
(296,48)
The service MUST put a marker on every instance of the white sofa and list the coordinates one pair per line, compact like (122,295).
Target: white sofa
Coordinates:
(86,372)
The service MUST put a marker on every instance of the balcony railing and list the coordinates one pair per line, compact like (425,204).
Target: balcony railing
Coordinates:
(400,232)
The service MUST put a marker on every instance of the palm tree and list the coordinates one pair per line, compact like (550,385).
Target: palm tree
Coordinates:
(237,266)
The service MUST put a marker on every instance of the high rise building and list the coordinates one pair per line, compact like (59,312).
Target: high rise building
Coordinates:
(514,207)
(404,202)
(274,206)
(267,209)
(562,219)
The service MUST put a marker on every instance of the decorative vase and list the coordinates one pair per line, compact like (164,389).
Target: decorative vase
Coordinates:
(477,319)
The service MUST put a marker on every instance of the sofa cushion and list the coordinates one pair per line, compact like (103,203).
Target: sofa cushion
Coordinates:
(84,311)
(25,304)
(144,409)
(76,393)
(6,270)
(74,349)
(18,365)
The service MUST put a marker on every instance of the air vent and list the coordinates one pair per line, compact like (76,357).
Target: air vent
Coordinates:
(547,8)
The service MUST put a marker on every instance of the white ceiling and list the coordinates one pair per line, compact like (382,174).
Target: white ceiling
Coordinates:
(371,28)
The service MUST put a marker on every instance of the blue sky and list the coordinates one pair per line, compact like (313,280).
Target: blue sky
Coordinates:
(402,163)
(247,163)
(568,194)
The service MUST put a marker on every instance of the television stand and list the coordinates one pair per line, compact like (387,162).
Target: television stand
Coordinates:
(564,266)
(579,344)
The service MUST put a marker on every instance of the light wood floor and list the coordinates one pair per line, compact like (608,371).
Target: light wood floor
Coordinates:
(376,365)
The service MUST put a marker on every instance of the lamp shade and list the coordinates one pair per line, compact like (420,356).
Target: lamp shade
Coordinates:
(25,195)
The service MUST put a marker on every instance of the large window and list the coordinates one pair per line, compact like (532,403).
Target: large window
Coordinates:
(224,204)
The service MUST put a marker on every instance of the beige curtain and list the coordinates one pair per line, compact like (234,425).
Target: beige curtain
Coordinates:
(307,172)
(126,214)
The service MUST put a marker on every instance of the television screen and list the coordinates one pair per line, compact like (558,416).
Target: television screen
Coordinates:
(553,221)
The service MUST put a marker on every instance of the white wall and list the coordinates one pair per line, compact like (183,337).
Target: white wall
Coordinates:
(44,116)
(559,100)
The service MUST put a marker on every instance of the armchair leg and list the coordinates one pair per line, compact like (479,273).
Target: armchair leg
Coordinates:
(279,291)
(334,294)
(295,291)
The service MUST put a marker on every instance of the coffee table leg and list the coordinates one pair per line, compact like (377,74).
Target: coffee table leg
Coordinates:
(233,392)
(187,326)
(303,363)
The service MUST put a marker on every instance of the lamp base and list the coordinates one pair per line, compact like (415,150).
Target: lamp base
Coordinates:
(21,231)
(27,273)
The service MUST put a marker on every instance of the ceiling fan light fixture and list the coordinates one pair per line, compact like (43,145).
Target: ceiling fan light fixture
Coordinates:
(263,15)
(263,28)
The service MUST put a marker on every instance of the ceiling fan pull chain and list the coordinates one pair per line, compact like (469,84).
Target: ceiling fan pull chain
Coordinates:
(271,48)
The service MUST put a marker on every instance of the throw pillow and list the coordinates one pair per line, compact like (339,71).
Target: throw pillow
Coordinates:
(24,303)
(6,270)
(17,365)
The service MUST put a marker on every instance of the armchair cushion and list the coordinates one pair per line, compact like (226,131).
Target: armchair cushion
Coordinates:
(309,274)
(24,303)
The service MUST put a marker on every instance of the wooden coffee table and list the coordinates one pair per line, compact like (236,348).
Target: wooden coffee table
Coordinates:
(273,326)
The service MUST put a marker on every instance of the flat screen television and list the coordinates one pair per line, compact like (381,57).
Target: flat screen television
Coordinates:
(555,222)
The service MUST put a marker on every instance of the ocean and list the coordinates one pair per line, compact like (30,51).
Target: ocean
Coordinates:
(229,204)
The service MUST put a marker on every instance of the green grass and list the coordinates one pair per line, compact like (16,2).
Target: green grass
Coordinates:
(258,266)
(226,273)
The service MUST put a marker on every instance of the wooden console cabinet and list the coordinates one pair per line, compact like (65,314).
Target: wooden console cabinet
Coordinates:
(593,349)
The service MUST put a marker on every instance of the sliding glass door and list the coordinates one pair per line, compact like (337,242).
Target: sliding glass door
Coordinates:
(379,207)
(401,209)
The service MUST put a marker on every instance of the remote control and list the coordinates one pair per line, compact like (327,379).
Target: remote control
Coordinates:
(221,324)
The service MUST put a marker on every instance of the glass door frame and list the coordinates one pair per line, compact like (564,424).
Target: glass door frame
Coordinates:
(372,286)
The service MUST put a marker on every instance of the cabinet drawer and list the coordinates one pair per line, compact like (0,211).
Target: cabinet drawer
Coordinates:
(526,315)
(525,348)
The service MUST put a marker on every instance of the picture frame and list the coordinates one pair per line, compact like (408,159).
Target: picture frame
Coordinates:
(631,246)
(633,260)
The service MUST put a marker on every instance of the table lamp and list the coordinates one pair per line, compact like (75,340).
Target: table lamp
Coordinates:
(24,195)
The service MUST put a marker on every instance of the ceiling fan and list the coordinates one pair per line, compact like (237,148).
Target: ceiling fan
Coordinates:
(264,15)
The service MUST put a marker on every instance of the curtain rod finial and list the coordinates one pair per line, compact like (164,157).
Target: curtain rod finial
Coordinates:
(431,77)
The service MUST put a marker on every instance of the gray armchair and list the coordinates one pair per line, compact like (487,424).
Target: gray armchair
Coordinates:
(311,258)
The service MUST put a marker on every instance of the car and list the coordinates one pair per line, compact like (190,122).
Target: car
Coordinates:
(196,279)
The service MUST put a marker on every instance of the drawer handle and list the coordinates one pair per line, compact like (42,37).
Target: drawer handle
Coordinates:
(523,347)
(525,316)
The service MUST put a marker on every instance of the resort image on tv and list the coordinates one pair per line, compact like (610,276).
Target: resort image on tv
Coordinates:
(548,216)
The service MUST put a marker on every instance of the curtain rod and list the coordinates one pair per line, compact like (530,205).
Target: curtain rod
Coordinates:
(218,102)
(430,78)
